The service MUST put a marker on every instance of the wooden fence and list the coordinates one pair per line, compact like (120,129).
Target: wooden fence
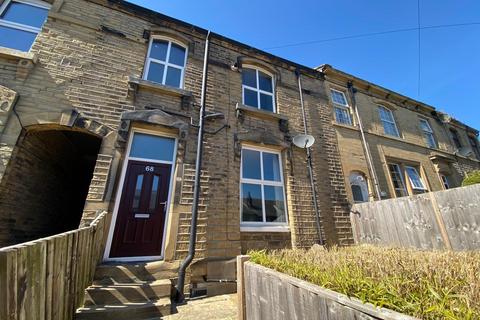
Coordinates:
(447,219)
(267,294)
(46,278)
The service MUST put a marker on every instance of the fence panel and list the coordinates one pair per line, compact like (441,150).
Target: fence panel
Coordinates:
(46,278)
(273,295)
(418,221)
(460,210)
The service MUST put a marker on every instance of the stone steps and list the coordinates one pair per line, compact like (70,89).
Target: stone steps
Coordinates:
(130,291)
(126,311)
(126,293)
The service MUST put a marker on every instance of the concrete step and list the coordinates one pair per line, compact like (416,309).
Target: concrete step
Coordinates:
(127,293)
(127,311)
(136,273)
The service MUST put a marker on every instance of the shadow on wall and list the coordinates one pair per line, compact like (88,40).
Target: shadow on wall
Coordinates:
(46,183)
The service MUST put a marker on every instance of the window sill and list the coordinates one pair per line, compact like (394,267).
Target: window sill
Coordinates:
(149,85)
(260,113)
(17,55)
(346,126)
(264,228)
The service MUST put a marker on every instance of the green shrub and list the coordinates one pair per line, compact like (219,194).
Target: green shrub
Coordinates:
(472,178)
(423,284)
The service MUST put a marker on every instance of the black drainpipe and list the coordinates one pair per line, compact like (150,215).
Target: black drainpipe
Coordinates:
(196,192)
(309,164)
(366,147)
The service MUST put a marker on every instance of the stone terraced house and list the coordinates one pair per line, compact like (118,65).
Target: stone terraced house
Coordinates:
(394,146)
(99,111)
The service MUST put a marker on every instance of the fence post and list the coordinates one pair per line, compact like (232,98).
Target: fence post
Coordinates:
(440,222)
(241,286)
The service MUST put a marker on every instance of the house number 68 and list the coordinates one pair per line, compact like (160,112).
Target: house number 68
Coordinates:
(149,168)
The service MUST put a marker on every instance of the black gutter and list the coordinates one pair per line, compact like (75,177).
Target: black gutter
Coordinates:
(196,191)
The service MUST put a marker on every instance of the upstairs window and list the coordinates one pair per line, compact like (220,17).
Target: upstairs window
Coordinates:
(257,88)
(261,191)
(388,121)
(428,133)
(20,22)
(340,105)
(415,179)
(455,138)
(165,63)
(474,143)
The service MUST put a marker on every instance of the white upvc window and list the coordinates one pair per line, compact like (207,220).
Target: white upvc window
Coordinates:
(258,89)
(341,107)
(388,121)
(20,22)
(415,178)
(428,133)
(165,62)
(262,192)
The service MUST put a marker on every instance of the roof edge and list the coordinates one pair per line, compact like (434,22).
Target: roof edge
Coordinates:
(325,68)
(154,16)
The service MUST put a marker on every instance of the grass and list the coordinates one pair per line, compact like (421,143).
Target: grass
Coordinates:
(423,284)
(472,178)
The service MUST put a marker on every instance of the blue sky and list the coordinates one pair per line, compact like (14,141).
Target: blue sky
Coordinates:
(450,57)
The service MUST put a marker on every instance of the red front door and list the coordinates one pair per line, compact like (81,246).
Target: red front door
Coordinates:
(141,215)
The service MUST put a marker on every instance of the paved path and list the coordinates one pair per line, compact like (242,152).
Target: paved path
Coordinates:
(219,307)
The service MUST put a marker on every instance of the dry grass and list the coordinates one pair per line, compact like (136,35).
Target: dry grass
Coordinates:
(424,284)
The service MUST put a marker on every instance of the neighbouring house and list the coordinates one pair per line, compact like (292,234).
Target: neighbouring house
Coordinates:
(99,109)
(394,146)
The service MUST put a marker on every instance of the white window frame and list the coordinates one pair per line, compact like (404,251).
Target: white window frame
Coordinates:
(399,172)
(428,134)
(344,107)
(166,64)
(20,26)
(423,187)
(382,120)
(258,90)
(263,226)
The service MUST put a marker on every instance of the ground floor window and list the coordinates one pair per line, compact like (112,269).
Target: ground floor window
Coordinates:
(401,174)
(359,187)
(261,189)
(416,180)
(445,181)
(397,180)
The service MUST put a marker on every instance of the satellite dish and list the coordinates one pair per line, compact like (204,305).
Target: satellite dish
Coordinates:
(303,141)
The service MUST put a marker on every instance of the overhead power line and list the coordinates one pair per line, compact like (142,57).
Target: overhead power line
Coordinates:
(371,34)
(419,49)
